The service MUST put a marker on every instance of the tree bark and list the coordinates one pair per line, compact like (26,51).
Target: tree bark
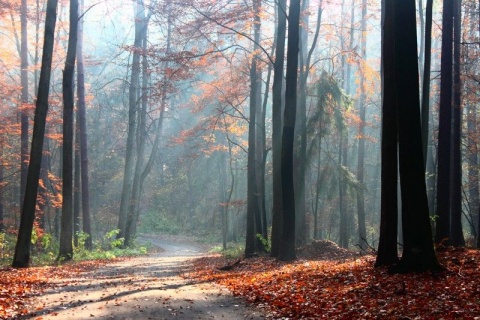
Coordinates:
(418,253)
(287,249)
(82,121)
(362,234)
(132,124)
(426,80)
(442,227)
(21,257)
(66,232)
(456,232)
(387,246)
(277,108)
(24,100)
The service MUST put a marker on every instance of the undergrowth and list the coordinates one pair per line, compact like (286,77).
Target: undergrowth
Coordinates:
(44,248)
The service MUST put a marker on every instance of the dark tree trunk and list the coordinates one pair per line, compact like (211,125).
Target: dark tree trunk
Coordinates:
(66,231)
(456,232)
(277,205)
(24,99)
(22,248)
(387,247)
(287,248)
(82,120)
(442,228)
(426,79)
(418,253)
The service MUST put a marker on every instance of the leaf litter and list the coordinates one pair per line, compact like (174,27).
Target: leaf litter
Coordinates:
(328,282)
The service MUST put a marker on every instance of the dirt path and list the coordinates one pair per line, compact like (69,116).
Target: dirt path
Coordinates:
(142,288)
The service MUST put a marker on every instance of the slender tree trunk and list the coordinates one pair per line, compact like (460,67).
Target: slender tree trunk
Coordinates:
(456,231)
(387,247)
(287,249)
(426,80)
(132,115)
(76,185)
(2,194)
(141,138)
(66,232)
(341,196)
(362,233)
(222,182)
(82,120)
(24,99)
(444,128)
(277,108)
(22,248)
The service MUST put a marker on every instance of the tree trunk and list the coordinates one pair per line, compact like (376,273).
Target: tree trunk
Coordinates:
(456,232)
(2,199)
(426,80)
(277,107)
(66,232)
(418,253)
(82,120)
(387,246)
(362,233)
(132,114)
(444,127)
(22,248)
(76,184)
(141,135)
(287,249)
(24,100)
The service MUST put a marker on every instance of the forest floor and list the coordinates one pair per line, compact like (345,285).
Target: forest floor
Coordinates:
(183,282)
(144,287)
(328,282)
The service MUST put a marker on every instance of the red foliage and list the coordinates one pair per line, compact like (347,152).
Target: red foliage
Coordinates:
(352,289)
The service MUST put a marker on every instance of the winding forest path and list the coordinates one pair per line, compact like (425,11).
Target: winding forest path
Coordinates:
(147,287)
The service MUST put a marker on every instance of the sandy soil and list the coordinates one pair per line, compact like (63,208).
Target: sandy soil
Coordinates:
(146,287)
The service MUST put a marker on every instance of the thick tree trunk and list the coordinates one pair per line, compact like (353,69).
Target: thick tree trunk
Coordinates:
(287,248)
(66,232)
(418,253)
(22,248)
(277,108)
(442,228)
(2,199)
(387,247)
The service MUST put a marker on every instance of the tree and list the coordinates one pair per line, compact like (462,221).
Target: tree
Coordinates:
(132,121)
(24,108)
(82,123)
(456,232)
(442,227)
(362,233)
(252,194)
(66,235)
(387,247)
(287,249)
(21,257)
(418,252)
(277,205)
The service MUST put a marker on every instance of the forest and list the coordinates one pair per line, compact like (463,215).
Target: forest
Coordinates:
(259,127)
